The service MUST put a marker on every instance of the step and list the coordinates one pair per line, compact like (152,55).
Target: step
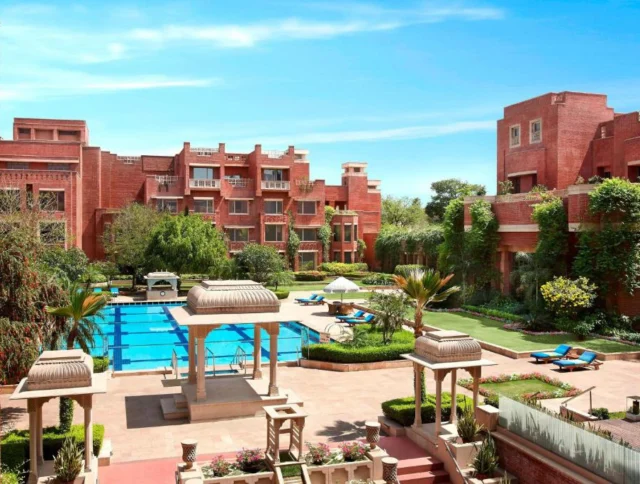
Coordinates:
(430,477)
(419,464)
(171,412)
(180,400)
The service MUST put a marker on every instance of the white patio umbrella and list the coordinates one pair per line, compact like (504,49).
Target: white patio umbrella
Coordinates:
(340,286)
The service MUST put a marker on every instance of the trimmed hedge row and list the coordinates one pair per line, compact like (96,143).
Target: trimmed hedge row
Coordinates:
(337,353)
(281,294)
(100,364)
(15,445)
(310,276)
(493,313)
(378,279)
(403,410)
(342,268)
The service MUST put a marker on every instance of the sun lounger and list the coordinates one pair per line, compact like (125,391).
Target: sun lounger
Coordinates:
(97,290)
(357,315)
(314,302)
(585,360)
(115,291)
(559,353)
(312,298)
(354,321)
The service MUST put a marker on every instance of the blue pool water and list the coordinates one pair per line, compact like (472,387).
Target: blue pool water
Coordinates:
(142,337)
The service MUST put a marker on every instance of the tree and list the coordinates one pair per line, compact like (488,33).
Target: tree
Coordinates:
(70,264)
(127,240)
(402,212)
(280,278)
(186,244)
(447,190)
(293,242)
(424,288)
(259,262)
(390,315)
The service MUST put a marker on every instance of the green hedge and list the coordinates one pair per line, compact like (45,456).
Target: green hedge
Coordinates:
(403,270)
(15,445)
(378,279)
(341,268)
(9,478)
(337,353)
(310,276)
(494,313)
(281,294)
(403,410)
(100,364)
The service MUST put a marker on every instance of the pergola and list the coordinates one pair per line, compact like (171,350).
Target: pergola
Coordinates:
(55,374)
(445,352)
(215,303)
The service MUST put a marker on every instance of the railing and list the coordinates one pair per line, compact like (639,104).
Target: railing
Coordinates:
(274,153)
(458,470)
(275,185)
(305,340)
(240,359)
(174,363)
(167,179)
(204,151)
(238,182)
(129,160)
(213,361)
(204,183)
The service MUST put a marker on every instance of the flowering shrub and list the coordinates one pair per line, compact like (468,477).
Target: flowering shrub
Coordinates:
(353,451)
(564,389)
(18,349)
(220,467)
(250,460)
(318,454)
(566,298)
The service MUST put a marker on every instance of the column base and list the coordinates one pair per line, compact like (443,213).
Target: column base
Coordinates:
(274,391)
(257,374)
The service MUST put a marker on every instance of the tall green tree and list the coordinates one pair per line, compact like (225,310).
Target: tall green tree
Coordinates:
(186,244)
(447,190)
(402,212)
(127,240)
(259,262)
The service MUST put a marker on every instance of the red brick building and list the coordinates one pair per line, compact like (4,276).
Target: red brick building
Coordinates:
(248,195)
(557,140)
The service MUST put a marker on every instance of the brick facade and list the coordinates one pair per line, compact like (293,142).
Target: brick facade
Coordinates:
(249,194)
(553,140)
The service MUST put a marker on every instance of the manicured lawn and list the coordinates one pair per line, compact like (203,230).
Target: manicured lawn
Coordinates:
(349,295)
(516,388)
(309,286)
(492,332)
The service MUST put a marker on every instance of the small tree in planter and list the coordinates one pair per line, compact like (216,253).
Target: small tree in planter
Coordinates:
(485,463)
(467,426)
(67,464)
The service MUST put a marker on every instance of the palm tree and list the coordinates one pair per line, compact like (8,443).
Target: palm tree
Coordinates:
(425,288)
(84,308)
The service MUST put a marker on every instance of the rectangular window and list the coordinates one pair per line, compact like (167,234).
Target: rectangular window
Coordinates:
(347,258)
(307,235)
(9,201)
(52,233)
(24,133)
(272,175)
(514,136)
(203,206)
(516,184)
(164,205)
(355,232)
(347,233)
(535,131)
(273,233)
(58,167)
(306,261)
(203,173)
(273,207)
(51,201)
(337,233)
(238,207)
(336,257)
(238,235)
(307,208)
(17,166)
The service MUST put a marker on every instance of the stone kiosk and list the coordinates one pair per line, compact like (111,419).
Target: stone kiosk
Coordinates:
(154,278)
(57,374)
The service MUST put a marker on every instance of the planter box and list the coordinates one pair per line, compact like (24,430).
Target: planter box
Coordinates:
(340,473)
(500,474)
(343,367)
(257,478)
(464,453)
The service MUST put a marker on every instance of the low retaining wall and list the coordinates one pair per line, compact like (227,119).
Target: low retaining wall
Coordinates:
(376,365)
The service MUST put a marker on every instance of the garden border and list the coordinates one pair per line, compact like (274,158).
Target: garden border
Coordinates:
(570,391)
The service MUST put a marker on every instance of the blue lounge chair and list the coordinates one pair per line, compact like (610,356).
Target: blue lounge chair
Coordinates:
(357,315)
(560,352)
(312,298)
(97,290)
(314,302)
(115,291)
(353,321)
(585,360)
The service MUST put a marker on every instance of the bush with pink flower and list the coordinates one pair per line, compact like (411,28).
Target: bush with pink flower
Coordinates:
(250,460)
(220,467)
(353,451)
(318,454)
(564,389)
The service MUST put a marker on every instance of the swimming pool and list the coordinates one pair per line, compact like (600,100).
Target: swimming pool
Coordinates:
(142,337)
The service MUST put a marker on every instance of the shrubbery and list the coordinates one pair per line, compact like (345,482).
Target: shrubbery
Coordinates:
(310,276)
(403,410)
(18,349)
(100,364)
(494,313)
(403,270)
(281,294)
(341,268)
(378,279)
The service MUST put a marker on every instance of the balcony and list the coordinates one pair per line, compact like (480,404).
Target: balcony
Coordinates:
(276,185)
(205,151)
(204,183)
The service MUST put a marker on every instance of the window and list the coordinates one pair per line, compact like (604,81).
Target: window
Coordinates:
(535,131)
(203,206)
(65,135)
(514,136)
(357,169)
(51,201)
(273,207)
(355,232)
(307,208)
(336,257)
(52,233)
(273,233)
(337,235)
(238,207)
(272,175)
(603,131)
(238,235)
(58,167)
(347,233)
(516,184)
(306,261)
(203,173)
(17,166)
(307,235)
(9,200)
(347,257)
(24,133)
(164,205)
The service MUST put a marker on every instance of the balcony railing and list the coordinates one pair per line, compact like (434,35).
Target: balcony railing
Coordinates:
(205,151)
(274,153)
(204,183)
(275,185)
(238,182)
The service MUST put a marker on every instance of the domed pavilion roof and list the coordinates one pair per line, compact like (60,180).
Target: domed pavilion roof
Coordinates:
(55,370)
(447,347)
(231,297)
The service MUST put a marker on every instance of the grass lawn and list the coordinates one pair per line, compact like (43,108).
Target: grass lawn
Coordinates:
(309,286)
(516,388)
(492,332)
(349,295)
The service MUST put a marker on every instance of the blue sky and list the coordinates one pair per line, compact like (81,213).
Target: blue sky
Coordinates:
(414,88)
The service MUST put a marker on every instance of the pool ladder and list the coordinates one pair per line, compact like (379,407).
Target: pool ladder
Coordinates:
(213,361)
(240,359)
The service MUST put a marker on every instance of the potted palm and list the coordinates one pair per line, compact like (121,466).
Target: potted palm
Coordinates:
(484,468)
(465,447)
(67,463)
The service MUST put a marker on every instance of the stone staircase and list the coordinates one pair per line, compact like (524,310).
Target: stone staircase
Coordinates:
(422,470)
(174,407)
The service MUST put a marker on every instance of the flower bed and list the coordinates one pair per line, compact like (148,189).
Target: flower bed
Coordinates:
(563,389)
